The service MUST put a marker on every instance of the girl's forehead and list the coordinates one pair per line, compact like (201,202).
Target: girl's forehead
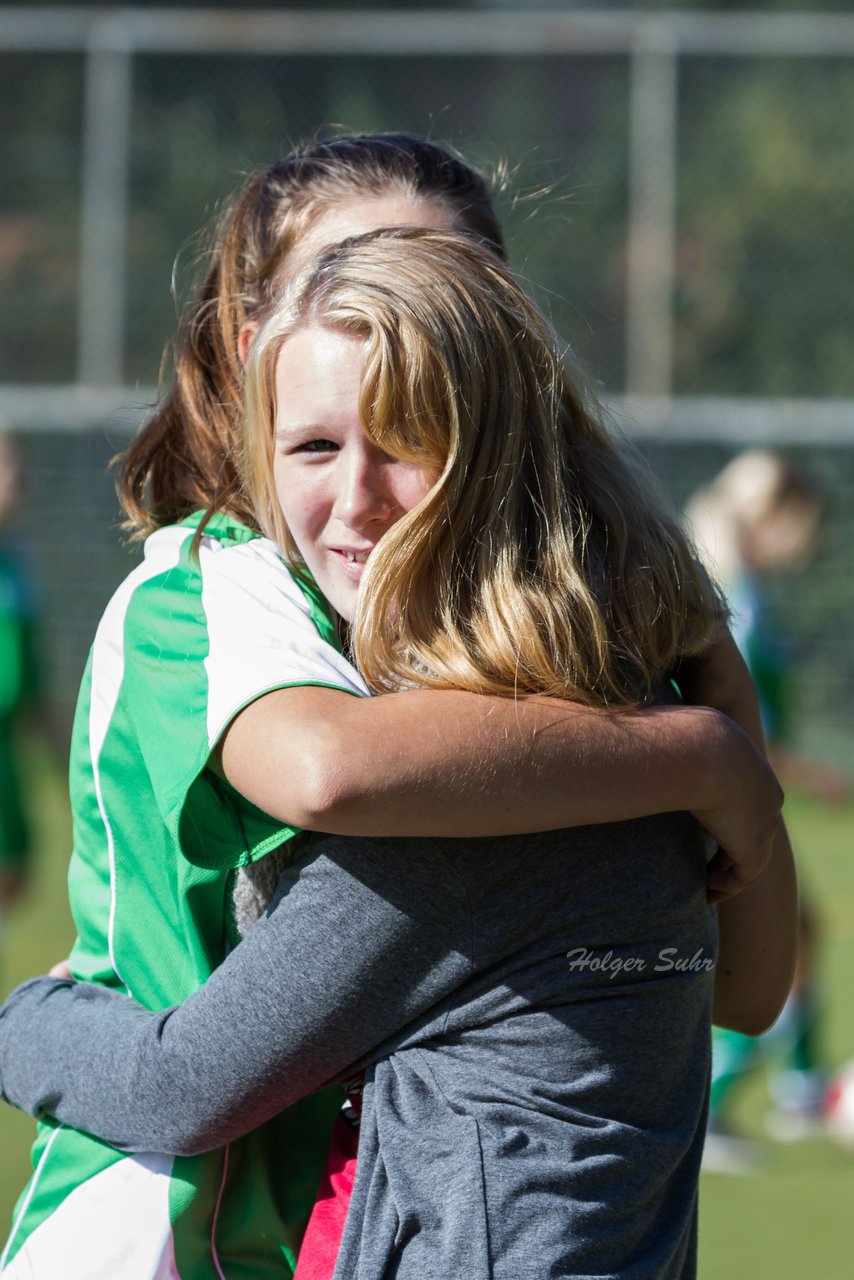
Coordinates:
(316,358)
(323,341)
(363,214)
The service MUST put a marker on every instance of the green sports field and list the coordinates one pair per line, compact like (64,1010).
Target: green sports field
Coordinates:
(791,1221)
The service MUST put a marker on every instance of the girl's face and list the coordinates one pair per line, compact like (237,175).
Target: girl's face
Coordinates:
(783,537)
(337,490)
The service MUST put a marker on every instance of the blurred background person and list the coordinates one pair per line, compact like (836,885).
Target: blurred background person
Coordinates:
(762,515)
(19,682)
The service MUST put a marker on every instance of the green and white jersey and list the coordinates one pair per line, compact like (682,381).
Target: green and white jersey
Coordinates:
(189,639)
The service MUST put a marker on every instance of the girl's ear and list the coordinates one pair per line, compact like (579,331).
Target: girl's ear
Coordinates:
(244,340)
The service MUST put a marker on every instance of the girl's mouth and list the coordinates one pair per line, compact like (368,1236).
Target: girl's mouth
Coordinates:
(353,557)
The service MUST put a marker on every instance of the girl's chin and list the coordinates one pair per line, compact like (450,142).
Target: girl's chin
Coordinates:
(342,597)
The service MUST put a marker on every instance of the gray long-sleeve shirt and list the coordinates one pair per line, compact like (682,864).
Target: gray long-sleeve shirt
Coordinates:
(534,1015)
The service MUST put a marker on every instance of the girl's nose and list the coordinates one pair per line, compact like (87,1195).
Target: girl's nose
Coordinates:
(365,496)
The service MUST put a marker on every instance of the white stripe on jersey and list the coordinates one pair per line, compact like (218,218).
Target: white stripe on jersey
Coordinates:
(247,590)
(108,665)
(25,1206)
(114,1226)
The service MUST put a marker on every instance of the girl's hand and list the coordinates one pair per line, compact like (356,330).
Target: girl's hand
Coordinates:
(744,822)
(745,825)
(725,877)
(60,970)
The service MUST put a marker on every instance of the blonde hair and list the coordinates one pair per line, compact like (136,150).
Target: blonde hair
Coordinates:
(185,458)
(539,562)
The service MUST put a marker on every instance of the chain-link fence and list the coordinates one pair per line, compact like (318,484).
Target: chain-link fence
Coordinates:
(680,201)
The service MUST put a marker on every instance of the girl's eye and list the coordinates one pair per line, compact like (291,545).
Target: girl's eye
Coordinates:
(317,446)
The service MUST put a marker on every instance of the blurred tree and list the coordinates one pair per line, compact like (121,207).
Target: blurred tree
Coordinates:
(765,189)
(766,156)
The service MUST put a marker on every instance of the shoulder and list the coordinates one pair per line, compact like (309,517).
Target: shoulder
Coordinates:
(230,574)
(224,616)
(254,572)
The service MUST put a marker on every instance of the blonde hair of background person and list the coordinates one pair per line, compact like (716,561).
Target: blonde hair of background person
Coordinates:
(428,762)
(761,511)
(380,406)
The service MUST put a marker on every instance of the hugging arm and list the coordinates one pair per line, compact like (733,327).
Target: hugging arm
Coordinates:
(449,763)
(357,944)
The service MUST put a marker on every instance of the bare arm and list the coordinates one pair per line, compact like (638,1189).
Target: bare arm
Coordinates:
(452,763)
(757,928)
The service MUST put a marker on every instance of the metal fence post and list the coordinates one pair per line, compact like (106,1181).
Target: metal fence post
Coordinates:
(106,143)
(651,257)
